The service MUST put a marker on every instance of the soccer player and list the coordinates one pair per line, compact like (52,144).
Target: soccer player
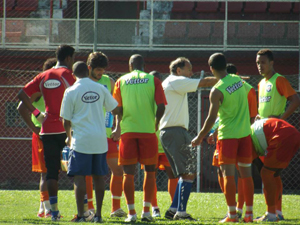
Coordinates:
(38,162)
(137,94)
(162,164)
(97,63)
(252,103)
(274,91)
(173,132)
(52,84)
(82,113)
(277,141)
(228,99)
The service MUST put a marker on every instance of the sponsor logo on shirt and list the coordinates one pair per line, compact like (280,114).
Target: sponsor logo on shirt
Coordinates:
(269,87)
(137,81)
(51,84)
(265,98)
(234,87)
(90,97)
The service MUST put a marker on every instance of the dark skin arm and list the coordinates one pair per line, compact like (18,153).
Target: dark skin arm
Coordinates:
(294,104)
(67,125)
(25,114)
(215,98)
(159,113)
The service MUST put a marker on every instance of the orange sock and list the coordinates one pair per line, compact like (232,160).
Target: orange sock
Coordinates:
(221,182)
(241,198)
(128,187)
(229,191)
(148,188)
(44,196)
(279,193)
(89,191)
(270,189)
(172,184)
(248,188)
(154,199)
(116,192)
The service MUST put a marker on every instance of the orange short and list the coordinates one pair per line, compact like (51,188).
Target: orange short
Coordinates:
(113,149)
(162,162)
(281,149)
(232,151)
(38,162)
(142,148)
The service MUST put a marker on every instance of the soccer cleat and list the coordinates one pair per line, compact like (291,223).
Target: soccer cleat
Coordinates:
(280,217)
(97,219)
(78,219)
(169,214)
(229,220)
(118,213)
(248,219)
(156,212)
(145,218)
(41,215)
(55,216)
(186,216)
(74,218)
(130,218)
(48,214)
(88,216)
(266,218)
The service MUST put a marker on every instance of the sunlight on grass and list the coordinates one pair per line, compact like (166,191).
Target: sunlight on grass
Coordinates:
(20,207)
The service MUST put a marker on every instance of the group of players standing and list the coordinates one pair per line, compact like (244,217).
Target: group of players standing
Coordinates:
(144,107)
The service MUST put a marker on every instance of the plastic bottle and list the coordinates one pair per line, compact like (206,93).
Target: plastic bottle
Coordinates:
(109,118)
(215,126)
(65,153)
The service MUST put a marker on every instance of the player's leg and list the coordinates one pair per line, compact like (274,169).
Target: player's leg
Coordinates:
(116,179)
(227,159)
(89,194)
(148,156)
(128,158)
(99,170)
(172,181)
(155,208)
(244,159)
(53,145)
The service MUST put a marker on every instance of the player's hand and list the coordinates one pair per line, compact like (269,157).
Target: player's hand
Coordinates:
(36,130)
(40,117)
(196,141)
(68,142)
(257,117)
(115,135)
(211,139)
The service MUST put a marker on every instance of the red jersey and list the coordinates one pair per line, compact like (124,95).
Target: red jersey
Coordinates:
(52,84)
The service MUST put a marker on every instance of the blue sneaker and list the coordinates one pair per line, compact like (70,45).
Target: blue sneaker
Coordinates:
(280,217)
(55,216)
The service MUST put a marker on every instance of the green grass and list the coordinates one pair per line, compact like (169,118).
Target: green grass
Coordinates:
(20,207)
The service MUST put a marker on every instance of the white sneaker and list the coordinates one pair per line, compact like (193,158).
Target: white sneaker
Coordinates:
(118,213)
(131,218)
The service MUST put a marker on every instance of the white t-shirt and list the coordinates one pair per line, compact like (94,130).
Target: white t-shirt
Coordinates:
(82,104)
(177,110)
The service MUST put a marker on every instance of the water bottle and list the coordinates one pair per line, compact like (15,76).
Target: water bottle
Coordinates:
(215,126)
(109,118)
(65,153)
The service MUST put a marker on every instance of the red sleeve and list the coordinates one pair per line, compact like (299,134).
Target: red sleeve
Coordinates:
(284,87)
(117,93)
(159,92)
(252,102)
(33,86)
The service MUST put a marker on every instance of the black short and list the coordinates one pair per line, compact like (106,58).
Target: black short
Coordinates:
(53,145)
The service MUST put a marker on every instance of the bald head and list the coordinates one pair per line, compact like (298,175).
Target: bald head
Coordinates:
(80,69)
(136,62)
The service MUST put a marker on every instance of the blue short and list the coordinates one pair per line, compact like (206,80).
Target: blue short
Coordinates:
(87,164)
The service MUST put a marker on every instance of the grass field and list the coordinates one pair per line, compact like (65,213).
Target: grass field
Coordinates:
(20,207)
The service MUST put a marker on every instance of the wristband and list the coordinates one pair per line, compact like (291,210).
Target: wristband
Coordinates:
(36,112)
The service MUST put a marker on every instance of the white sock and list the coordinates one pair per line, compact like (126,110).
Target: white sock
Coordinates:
(181,213)
(146,213)
(278,212)
(173,209)
(41,209)
(47,205)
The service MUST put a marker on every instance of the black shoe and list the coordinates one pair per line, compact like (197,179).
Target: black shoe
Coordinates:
(169,214)
(97,219)
(184,217)
(79,220)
